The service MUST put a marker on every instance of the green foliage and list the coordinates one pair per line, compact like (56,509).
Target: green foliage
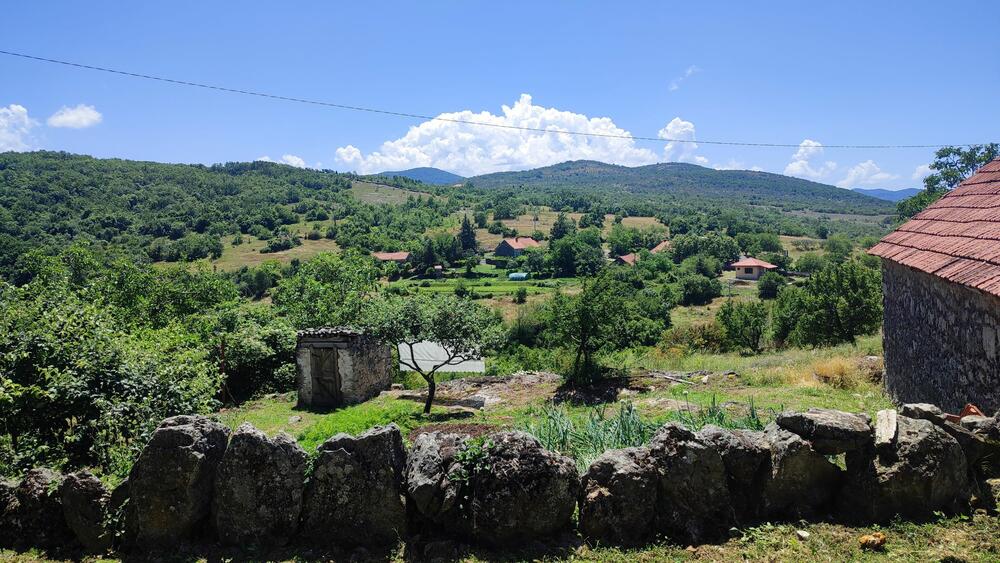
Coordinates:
(770,284)
(842,302)
(520,295)
(951,165)
(810,262)
(745,324)
(467,237)
(327,290)
(696,289)
(723,248)
(838,248)
(563,226)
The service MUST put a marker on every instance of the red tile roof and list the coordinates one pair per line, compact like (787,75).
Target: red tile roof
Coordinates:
(956,238)
(520,243)
(665,245)
(750,262)
(627,258)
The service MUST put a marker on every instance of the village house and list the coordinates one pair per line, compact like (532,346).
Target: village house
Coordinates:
(941,286)
(512,247)
(338,366)
(750,268)
(400,258)
(662,247)
(626,260)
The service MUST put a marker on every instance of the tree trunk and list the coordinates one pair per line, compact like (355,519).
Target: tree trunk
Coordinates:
(430,394)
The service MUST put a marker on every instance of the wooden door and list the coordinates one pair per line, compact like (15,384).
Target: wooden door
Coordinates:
(326,377)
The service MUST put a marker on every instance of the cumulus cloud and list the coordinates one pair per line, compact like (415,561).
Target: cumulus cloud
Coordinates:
(78,117)
(680,136)
(807,162)
(15,128)
(675,84)
(866,173)
(921,172)
(289,159)
(470,149)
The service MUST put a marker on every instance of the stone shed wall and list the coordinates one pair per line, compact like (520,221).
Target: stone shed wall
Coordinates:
(942,341)
(370,364)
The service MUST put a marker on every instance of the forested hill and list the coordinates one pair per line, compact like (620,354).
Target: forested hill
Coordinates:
(426,175)
(173,212)
(689,182)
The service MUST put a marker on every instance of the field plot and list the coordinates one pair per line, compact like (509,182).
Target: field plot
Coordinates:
(368,192)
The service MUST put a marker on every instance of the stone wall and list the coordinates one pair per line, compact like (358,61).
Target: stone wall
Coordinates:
(370,362)
(195,484)
(364,366)
(941,341)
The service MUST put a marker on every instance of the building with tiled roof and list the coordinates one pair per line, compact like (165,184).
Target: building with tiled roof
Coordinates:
(515,246)
(750,268)
(941,286)
(626,259)
(662,247)
(397,257)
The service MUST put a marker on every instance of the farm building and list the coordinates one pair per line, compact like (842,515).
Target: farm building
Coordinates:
(751,268)
(337,366)
(626,260)
(397,257)
(515,246)
(662,247)
(941,286)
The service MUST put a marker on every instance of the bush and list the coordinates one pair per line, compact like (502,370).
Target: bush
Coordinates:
(745,323)
(769,285)
(703,337)
(520,295)
(696,289)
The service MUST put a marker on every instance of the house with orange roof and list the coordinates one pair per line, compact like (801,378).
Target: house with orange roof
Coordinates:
(941,299)
(515,246)
(626,259)
(397,257)
(662,247)
(750,268)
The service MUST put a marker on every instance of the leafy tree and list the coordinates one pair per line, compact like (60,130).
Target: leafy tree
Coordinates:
(520,295)
(327,290)
(745,323)
(810,262)
(563,226)
(480,218)
(467,236)
(951,165)
(770,284)
(838,248)
(460,326)
(696,289)
(840,303)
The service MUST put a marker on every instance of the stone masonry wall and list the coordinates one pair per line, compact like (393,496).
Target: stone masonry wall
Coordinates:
(941,341)
(370,364)
(197,484)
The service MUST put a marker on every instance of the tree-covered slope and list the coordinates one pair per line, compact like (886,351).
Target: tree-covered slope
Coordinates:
(688,182)
(426,175)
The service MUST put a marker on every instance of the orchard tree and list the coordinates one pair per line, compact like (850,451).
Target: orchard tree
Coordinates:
(745,323)
(463,328)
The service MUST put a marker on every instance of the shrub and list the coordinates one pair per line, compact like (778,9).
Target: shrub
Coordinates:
(696,289)
(706,337)
(745,323)
(769,285)
(520,295)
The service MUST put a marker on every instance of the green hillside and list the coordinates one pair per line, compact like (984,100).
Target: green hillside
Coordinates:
(688,182)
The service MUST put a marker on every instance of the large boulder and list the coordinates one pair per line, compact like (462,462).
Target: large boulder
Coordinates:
(830,432)
(8,504)
(36,513)
(973,445)
(618,497)
(356,494)
(917,471)
(801,482)
(258,489)
(501,489)
(171,483)
(747,458)
(85,506)
(692,496)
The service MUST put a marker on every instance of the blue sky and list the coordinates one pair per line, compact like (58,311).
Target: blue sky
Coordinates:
(784,72)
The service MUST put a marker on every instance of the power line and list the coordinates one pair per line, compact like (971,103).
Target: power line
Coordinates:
(449,119)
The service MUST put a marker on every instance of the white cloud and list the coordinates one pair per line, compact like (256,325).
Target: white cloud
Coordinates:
(806,162)
(289,159)
(79,117)
(921,172)
(15,128)
(675,84)
(471,149)
(866,173)
(680,136)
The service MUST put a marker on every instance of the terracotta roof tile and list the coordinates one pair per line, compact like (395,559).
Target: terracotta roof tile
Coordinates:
(750,262)
(956,238)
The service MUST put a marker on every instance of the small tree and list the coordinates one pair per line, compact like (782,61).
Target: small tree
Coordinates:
(463,328)
(745,323)
(467,237)
(769,285)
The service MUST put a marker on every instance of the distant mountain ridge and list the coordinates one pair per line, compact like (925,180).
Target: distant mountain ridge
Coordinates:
(427,175)
(889,195)
(690,182)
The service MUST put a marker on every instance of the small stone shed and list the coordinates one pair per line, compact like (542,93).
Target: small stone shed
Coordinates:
(941,286)
(751,268)
(338,366)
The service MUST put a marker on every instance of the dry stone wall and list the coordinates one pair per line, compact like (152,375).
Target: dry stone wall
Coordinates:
(196,484)
(941,341)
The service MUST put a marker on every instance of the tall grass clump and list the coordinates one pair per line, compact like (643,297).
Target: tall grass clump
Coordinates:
(587,439)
